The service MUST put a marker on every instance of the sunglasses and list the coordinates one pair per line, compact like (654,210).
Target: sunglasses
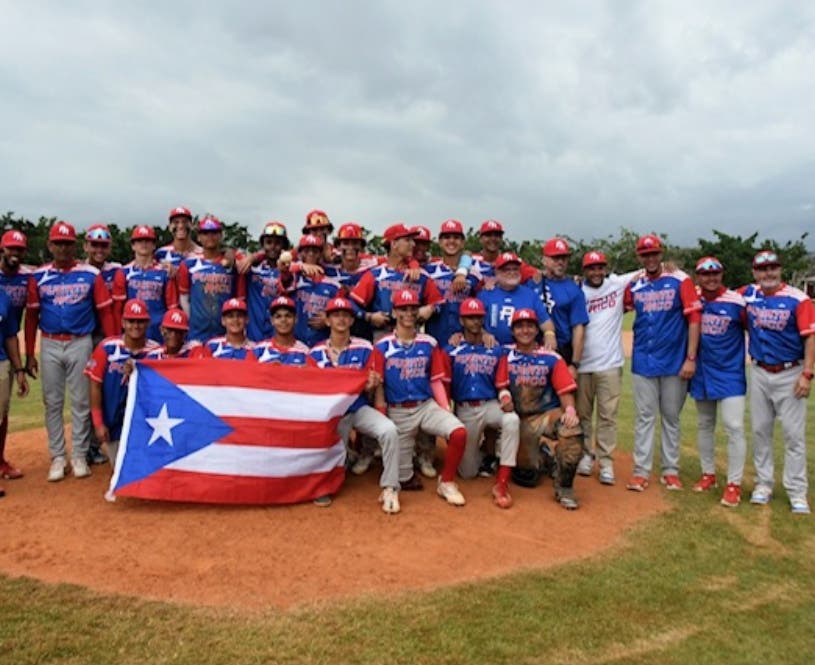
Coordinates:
(709,265)
(99,234)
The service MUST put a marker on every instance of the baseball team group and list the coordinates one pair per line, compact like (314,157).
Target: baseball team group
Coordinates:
(519,370)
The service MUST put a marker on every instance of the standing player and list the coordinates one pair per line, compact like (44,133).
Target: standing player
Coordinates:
(781,323)
(354,263)
(283,348)
(234,345)
(666,339)
(14,283)
(108,371)
(10,367)
(98,248)
(263,281)
(413,368)
(720,378)
(182,245)
(541,391)
(318,224)
(63,297)
(343,350)
(472,373)
(491,237)
(312,293)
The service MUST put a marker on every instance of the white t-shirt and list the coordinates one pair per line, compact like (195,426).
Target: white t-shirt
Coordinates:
(603,344)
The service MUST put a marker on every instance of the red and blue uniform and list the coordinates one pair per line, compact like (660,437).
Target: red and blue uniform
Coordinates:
(566,304)
(374,291)
(9,323)
(720,359)
(15,285)
(262,287)
(359,354)
(348,280)
(107,367)
(156,288)
(168,254)
(269,351)
(209,285)
(218,347)
(472,371)
(408,370)
(778,323)
(445,321)
(663,305)
(311,295)
(485,270)
(542,369)
(187,350)
(502,304)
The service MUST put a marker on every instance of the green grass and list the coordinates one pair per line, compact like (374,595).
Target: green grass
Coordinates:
(699,584)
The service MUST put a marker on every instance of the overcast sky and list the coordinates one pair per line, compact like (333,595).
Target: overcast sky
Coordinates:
(553,117)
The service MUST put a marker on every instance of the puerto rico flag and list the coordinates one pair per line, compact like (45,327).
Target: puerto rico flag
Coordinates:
(216,431)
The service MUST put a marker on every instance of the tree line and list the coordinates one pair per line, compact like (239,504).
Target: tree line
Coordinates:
(734,251)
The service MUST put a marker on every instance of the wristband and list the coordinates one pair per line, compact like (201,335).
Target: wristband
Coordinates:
(504,396)
(96,417)
(549,332)
(382,409)
(462,272)
(465,263)
(807,374)
(576,364)
(569,410)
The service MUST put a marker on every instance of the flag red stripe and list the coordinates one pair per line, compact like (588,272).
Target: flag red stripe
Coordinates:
(213,372)
(185,486)
(281,433)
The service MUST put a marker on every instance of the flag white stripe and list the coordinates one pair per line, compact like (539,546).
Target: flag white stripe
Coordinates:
(228,401)
(261,461)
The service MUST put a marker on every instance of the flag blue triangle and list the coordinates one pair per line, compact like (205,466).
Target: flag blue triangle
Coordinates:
(166,425)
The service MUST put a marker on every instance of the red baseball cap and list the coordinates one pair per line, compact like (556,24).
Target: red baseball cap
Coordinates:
(450,227)
(556,247)
(339,304)
(524,315)
(649,244)
(472,307)
(491,226)
(282,302)
(317,219)
(405,298)
(176,319)
(180,211)
(136,310)
(99,233)
(396,231)
(14,238)
(62,231)
(708,264)
(423,233)
(594,258)
(350,231)
(234,305)
(505,258)
(310,240)
(209,224)
(143,232)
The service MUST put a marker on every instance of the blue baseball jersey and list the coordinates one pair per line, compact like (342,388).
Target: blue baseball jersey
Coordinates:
(535,379)
(375,289)
(168,254)
(777,323)
(270,351)
(209,285)
(219,347)
(720,360)
(15,285)
(445,321)
(262,287)
(9,323)
(156,288)
(311,295)
(408,370)
(107,367)
(359,354)
(67,299)
(472,370)
(349,280)
(501,305)
(662,306)
(566,304)
(187,350)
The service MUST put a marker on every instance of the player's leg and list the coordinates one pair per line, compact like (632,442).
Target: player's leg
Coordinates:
(53,398)
(584,402)
(369,421)
(407,425)
(608,390)
(792,413)
(733,421)
(762,419)
(672,394)
(568,450)
(5,398)
(705,430)
(645,391)
(77,353)
(425,450)
(473,418)
(509,426)
(436,420)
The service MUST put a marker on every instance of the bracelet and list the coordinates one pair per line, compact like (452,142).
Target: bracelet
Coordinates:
(576,364)
(691,358)
(807,374)
(549,332)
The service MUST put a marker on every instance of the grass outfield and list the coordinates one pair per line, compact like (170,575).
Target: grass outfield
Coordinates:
(700,584)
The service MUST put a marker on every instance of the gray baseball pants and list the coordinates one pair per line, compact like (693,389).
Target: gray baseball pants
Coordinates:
(367,420)
(663,395)
(476,419)
(733,421)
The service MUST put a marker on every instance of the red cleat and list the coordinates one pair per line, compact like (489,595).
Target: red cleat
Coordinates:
(732,495)
(501,496)
(637,484)
(706,482)
(671,482)
(9,472)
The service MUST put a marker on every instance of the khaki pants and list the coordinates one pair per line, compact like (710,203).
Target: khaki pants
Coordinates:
(603,389)
(5,387)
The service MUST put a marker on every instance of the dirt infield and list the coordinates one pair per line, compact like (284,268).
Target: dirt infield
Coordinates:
(291,555)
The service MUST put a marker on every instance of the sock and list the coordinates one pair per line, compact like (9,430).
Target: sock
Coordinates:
(455,451)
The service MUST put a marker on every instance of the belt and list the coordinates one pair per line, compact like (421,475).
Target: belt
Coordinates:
(60,337)
(780,367)
(406,405)
(473,402)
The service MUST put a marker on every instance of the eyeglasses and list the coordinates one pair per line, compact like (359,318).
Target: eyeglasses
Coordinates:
(99,234)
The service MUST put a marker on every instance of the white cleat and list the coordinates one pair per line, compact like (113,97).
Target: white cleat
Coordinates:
(390,501)
(450,493)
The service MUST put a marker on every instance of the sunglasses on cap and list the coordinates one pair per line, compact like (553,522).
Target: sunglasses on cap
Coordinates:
(274,230)
(766,260)
(99,234)
(709,265)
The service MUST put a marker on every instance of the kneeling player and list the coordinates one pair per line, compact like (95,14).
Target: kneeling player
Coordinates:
(174,328)
(283,348)
(541,388)
(413,367)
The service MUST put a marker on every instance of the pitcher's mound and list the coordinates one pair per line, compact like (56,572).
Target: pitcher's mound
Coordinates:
(282,556)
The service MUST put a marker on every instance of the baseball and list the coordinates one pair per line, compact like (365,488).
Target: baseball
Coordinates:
(285,257)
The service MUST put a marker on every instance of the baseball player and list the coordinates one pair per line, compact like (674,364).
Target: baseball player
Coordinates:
(108,369)
(234,345)
(541,392)
(312,293)
(599,377)
(14,283)
(491,237)
(174,327)
(11,367)
(147,280)
(343,350)
(263,283)
(283,348)
(98,248)
(182,246)
(413,369)
(472,373)
(318,224)
(719,379)
(666,340)
(63,298)
(206,282)
(781,324)
(508,296)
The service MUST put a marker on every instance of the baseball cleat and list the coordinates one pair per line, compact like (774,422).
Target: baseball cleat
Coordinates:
(705,483)
(637,484)
(450,493)
(489,466)
(761,496)
(9,472)
(799,506)
(501,496)
(732,495)
(57,470)
(80,467)
(362,464)
(586,465)
(426,467)
(606,476)
(671,482)
(323,501)
(566,498)
(389,498)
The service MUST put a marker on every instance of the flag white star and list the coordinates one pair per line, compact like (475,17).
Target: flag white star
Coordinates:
(163,426)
